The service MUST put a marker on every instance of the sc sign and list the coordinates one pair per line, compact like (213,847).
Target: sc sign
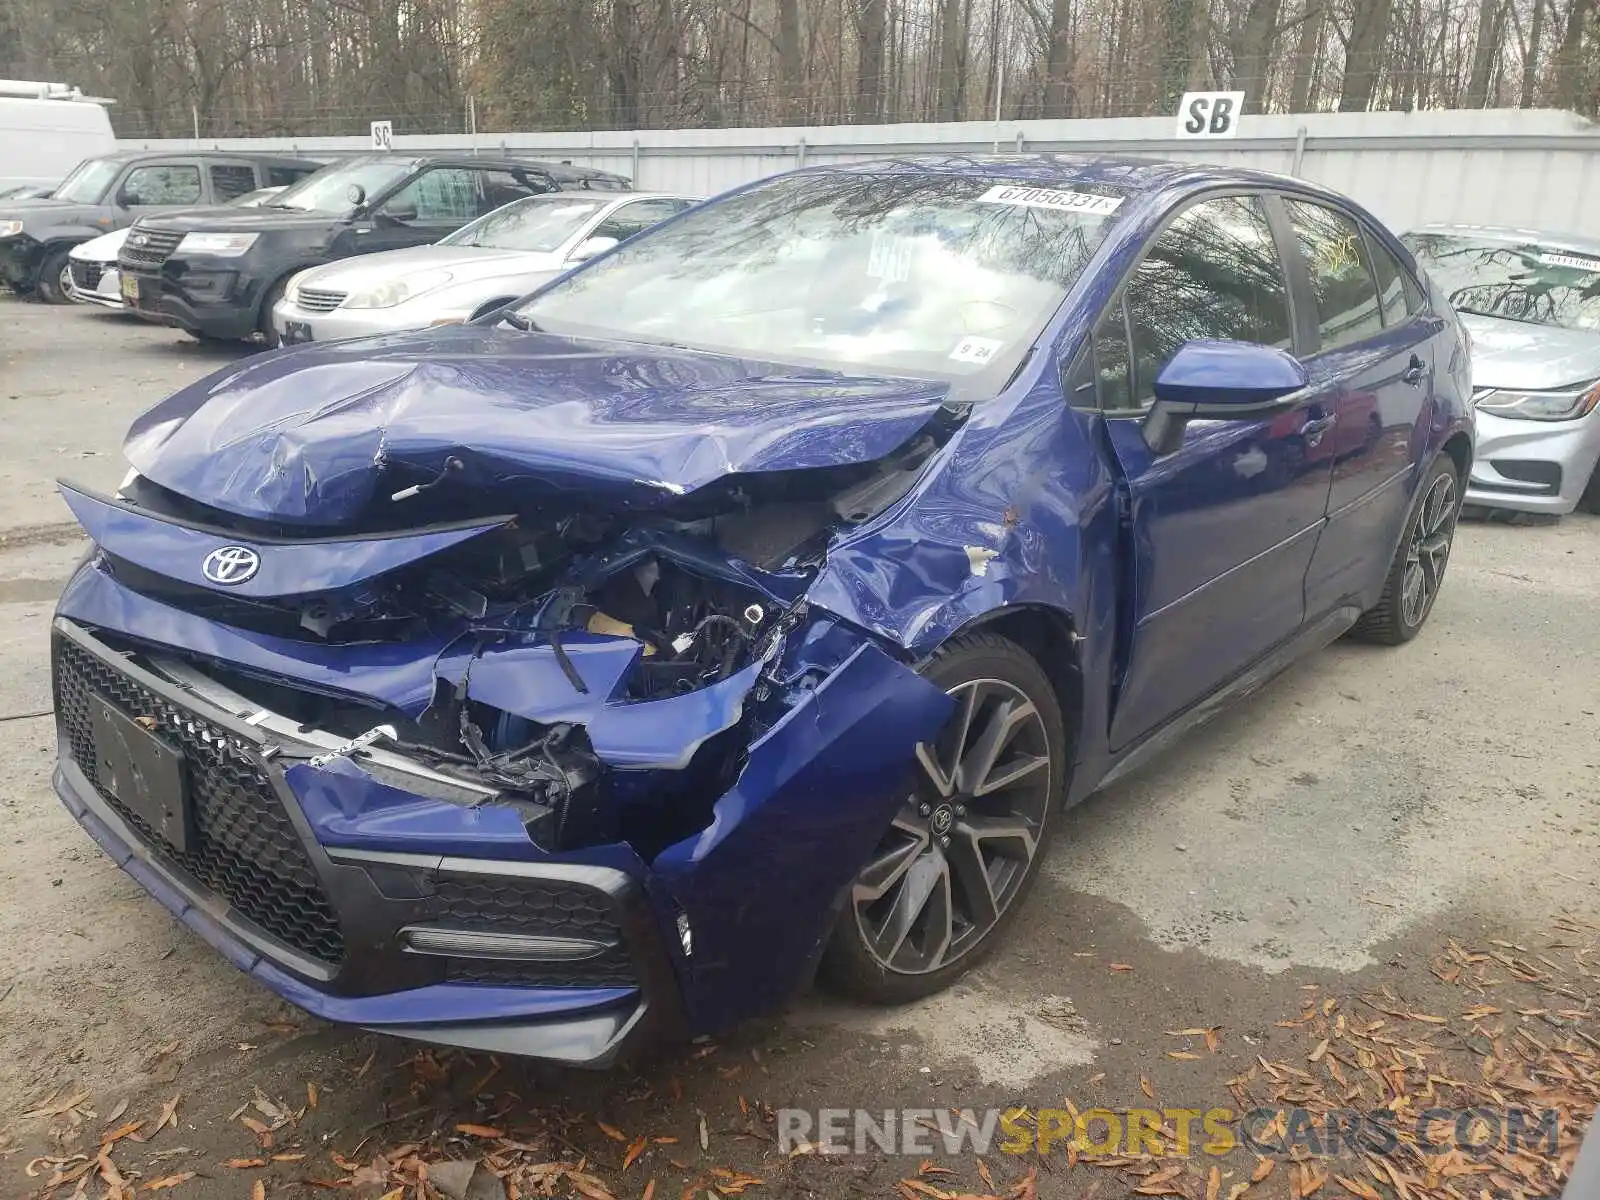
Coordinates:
(383,134)
(1209,114)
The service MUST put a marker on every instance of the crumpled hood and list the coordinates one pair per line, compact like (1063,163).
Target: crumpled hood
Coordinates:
(1515,354)
(315,435)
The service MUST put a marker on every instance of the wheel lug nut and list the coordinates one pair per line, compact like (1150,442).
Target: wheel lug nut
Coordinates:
(925,810)
(961,810)
(944,842)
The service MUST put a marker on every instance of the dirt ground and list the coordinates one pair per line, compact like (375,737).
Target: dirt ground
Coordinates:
(1360,842)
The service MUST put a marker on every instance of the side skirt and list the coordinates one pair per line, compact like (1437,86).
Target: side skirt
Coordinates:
(1313,637)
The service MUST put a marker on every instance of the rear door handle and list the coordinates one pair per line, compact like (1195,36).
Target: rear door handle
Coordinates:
(1415,371)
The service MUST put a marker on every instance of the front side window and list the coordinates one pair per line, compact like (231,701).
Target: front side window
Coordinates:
(540,224)
(638,216)
(443,194)
(499,188)
(1336,261)
(920,273)
(1214,273)
(1532,282)
(162,185)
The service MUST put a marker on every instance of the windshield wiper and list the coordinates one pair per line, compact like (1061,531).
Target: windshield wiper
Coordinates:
(517,321)
(1478,312)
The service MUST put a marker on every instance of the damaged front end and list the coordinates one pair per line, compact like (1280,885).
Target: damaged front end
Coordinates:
(548,777)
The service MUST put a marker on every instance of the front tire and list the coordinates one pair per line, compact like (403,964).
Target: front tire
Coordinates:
(1417,571)
(953,868)
(54,282)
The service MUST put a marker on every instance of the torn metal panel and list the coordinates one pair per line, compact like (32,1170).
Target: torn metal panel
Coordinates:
(757,885)
(323,565)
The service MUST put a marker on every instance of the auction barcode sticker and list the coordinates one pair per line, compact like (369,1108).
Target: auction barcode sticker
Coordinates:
(1570,260)
(1032,197)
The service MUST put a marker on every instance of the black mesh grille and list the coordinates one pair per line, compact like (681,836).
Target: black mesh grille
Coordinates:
(528,906)
(86,274)
(244,846)
(148,248)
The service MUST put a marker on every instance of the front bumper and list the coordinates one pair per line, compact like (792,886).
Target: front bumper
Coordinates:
(213,297)
(291,322)
(20,257)
(1533,466)
(96,283)
(331,929)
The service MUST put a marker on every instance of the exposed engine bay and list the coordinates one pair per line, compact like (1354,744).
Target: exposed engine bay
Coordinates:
(602,672)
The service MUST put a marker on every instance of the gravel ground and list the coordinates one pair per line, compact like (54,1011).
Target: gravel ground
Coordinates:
(1335,831)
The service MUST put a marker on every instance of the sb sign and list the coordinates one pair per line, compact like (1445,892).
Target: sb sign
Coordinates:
(383,135)
(1209,114)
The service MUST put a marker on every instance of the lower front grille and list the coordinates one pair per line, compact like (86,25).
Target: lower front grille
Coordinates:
(86,275)
(535,907)
(244,846)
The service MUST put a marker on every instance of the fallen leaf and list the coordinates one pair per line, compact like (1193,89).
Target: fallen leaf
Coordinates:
(1183,1055)
(120,1132)
(1121,967)
(258,1191)
(1263,1169)
(167,1181)
(484,1131)
(649,1191)
(47,1109)
(311,1094)
(122,1107)
(244,1164)
(169,1114)
(1322,1048)
(362,1070)
(1144,1086)
(1214,1184)
(1357,1187)
(634,1150)
(589,1186)
(288,1158)
(1213,1039)
(1196,1032)
(611,1131)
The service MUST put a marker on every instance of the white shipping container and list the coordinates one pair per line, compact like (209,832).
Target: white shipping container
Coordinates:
(41,140)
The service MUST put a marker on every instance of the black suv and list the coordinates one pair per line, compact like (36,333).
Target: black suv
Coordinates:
(114,190)
(217,275)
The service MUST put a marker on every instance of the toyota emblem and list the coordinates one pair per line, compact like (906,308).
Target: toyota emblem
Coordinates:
(138,239)
(230,565)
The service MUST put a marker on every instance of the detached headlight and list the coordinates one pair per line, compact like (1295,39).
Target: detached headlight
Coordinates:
(222,245)
(398,291)
(10,228)
(1565,405)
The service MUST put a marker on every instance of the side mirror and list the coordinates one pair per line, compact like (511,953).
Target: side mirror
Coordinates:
(1221,381)
(592,248)
(398,214)
(356,194)
(127,199)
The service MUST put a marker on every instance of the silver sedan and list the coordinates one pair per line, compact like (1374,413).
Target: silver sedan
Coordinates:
(1531,302)
(481,266)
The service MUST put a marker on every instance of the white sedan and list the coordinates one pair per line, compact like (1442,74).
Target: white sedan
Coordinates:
(92,276)
(481,266)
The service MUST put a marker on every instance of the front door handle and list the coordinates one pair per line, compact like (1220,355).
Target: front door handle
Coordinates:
(1313,430)
(1414,371)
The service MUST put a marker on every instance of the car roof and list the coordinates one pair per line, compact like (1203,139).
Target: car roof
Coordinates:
(561,172)
(281,160)
(1137,173)
(1511,235)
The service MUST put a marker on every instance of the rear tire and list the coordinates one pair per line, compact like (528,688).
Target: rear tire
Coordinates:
(957,861)
(1417,571)
(53,283)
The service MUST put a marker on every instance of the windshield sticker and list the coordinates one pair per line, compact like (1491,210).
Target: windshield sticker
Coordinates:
(890,258)
(976,349)
(1004,193)
(1570,260)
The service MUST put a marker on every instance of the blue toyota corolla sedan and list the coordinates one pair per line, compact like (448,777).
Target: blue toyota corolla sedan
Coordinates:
(748,603)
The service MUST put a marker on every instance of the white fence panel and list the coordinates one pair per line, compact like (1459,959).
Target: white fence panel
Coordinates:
(1525,167)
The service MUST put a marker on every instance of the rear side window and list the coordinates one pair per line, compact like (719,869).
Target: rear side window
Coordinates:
(1336,260)
(1391,288)
(174,184)
(1214,273)
(231,180)
(499,188)
(284,176)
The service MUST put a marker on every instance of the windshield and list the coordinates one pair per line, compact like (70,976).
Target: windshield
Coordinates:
(1517,281)
(539,223)
(328,190)
(934,275)
(88,181)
